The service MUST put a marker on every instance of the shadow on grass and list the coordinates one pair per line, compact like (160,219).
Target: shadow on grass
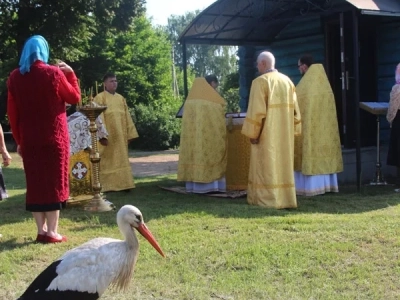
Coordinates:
(12,209)
(12,244)
(14,178)
(156,203)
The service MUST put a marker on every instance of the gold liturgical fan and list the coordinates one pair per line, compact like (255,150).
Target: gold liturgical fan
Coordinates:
(97,203)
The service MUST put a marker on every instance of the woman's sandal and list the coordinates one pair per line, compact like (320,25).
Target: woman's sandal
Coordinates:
(41,238)
(49,239)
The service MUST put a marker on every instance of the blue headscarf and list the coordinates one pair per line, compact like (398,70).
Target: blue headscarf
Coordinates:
(35,48)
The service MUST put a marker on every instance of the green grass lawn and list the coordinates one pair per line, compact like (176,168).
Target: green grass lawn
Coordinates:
(336,246)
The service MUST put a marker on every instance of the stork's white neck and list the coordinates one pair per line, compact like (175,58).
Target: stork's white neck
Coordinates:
(132,250)
(130,235)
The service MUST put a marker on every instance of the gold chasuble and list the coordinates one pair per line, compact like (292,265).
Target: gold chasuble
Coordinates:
(115,169)
(317,149)
(271,177)
(202,153)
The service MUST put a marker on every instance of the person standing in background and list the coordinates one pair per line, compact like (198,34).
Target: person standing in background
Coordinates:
(271,123)
(115,169)
(317,151)
(203,151)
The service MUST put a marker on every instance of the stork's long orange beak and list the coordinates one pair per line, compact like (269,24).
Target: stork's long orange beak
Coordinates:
(143,230)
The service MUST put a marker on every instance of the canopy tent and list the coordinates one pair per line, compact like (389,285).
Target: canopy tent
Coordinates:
(244,22)
(259,22)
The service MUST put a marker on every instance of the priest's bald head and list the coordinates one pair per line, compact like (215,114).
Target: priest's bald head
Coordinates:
(265,62)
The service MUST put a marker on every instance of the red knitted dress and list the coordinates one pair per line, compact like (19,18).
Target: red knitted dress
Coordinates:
(36,110)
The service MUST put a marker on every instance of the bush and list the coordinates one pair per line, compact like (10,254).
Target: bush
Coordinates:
(158,127)
(232,98)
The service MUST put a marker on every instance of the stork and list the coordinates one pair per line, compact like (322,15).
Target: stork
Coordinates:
(85,272)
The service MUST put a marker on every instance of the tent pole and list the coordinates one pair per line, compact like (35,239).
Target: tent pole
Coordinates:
(184,65)
(357,98)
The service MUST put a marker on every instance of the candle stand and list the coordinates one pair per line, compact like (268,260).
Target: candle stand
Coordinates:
(97,203)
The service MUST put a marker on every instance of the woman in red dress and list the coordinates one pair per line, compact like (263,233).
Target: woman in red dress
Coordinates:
(37,95)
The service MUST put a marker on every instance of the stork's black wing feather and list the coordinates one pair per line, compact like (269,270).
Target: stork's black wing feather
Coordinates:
(61,295)
(37,289)
(41,282)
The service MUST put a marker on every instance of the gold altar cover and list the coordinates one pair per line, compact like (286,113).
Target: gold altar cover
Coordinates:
(237,168)
(271,176)
(202,154)
(317,150)
(80,175)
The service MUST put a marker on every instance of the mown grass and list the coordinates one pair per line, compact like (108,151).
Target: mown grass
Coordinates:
(336,246)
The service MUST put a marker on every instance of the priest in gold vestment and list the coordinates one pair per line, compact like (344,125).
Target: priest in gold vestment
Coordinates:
(203,153)
(318,153)
(115,169)
(271,123)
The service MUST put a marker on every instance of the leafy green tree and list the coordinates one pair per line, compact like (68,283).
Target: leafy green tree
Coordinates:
(70,27)
(180,79)
(142,61)
(232,99)
(231,81)
(96,36)
(230,91)
(158,128)
(175,26)
(67,25)
(203,59)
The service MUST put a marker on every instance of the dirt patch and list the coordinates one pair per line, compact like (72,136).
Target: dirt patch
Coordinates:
(154,163)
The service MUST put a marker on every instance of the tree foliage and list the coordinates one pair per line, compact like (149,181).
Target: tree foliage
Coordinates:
(230,91)
(143,64)
(203,59)
(94,37)
(68,26)
(158,128)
